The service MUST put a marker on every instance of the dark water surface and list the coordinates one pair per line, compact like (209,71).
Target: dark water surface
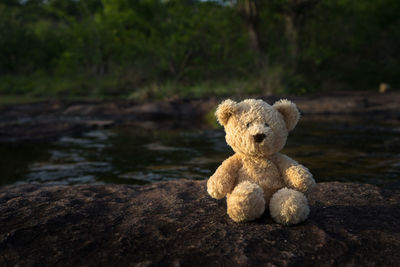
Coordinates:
(334,150)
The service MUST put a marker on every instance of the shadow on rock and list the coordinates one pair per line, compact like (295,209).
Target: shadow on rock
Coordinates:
(177,223)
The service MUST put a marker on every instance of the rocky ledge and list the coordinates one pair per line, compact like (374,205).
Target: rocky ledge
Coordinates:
(48,120)
(177,223)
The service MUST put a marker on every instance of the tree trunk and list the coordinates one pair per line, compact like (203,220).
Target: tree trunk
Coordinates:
(292,29)
(292,35)
(295,14)
(250,13)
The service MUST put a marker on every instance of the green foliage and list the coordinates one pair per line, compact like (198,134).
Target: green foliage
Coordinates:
(166,48)
(354,43)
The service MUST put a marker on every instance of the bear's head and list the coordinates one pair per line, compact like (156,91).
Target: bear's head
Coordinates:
(255,128)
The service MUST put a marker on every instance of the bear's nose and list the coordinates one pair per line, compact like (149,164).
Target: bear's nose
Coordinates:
(259,137)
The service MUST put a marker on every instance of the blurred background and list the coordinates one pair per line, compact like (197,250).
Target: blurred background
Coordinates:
(124,91)
(157,49)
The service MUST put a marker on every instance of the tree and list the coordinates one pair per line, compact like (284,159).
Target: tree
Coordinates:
(295,13)
(249,10)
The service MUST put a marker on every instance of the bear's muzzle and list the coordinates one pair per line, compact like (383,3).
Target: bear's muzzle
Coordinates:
(258,138)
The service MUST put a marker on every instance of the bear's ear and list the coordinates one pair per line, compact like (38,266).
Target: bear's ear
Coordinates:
(290,113)
(225,110)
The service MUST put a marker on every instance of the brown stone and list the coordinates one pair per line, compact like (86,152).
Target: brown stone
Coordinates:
(177,223)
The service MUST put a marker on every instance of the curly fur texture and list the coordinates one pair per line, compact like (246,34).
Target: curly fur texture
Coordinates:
(257,175)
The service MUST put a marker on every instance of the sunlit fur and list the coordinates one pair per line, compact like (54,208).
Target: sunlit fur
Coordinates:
(288,206)
(251,197)
(257,175)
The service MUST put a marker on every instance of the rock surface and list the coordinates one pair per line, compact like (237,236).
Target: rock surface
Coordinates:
(51,119)
(177,223)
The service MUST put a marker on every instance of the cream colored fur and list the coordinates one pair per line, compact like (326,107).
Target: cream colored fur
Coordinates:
(257,175)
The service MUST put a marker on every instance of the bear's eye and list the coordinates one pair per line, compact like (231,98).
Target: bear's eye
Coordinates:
(248,125)
(266,125)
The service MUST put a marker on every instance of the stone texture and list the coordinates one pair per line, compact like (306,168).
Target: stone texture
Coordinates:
(177,223)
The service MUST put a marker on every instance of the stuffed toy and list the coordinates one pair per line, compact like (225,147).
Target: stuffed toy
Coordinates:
(257,176)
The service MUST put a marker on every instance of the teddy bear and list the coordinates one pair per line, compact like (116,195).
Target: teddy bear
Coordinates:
(257,176)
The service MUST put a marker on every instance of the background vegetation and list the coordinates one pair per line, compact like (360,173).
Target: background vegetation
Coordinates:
(147,49)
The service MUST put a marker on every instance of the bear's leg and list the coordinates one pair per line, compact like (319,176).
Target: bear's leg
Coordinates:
(246,202)
(288,206)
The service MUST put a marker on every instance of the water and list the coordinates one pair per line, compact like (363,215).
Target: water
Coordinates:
(334,150)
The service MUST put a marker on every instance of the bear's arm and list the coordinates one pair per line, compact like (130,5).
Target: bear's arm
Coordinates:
(295,175)
(225,177)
